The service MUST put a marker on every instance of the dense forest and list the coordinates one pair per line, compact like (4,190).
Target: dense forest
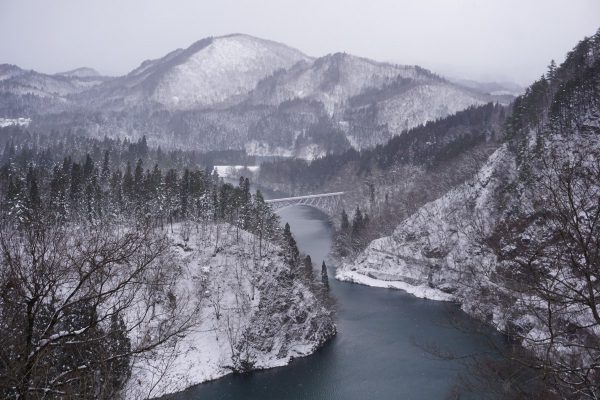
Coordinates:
(429,145)
(387,183)
(84,240)
(518,244)
(21,146)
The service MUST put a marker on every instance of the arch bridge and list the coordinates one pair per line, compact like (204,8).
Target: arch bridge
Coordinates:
(329,203)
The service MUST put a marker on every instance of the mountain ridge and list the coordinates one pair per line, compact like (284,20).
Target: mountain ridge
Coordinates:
(233,86)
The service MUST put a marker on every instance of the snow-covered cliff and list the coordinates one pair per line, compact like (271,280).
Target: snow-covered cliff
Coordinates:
(518,245)
(425,254)
(255,312)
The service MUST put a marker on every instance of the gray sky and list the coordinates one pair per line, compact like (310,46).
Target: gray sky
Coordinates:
(481,39)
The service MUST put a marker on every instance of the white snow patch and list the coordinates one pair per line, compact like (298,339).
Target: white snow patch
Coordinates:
(421,291)
(232,171)
(4,122)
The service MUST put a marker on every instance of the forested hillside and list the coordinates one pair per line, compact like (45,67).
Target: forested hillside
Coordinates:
(124,279)
(391,181)
(238,92)
(519,244)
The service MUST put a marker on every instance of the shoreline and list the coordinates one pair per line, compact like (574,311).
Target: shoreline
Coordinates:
(422,292)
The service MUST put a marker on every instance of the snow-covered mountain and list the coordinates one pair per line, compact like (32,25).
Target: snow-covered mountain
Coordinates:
(332,80)
(210,72)
(366,97)
(493,87)
(16,81)
(241,92)
(83,72)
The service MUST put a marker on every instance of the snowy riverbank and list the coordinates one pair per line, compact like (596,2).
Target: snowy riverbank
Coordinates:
(421,291)
(255,313)
(426,254)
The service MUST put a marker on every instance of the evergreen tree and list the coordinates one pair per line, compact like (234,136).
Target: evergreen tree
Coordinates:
(105,173)
(118,343)
(88,167)
(184,192)
(324,276)
(345,224)
(551,74)
(357,222)
(292,252)
(308,263)
(261,220)
(245,201)
(128,183)
(138,182)
(34,194)
(116,192)
(76,184)
(171,194)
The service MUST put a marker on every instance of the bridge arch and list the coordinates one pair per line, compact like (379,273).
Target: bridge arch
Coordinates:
(328,203)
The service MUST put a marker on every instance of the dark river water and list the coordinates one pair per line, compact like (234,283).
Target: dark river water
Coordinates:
(376,353)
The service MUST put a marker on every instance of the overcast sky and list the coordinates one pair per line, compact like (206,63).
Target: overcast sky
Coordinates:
(481,39)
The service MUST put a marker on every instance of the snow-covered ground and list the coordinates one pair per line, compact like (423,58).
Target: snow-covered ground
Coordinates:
(232,171)
(14,121)
(425,254)
(229,66)
(252,309)
(421,291)
(264,149)
(422,104)
(446,251)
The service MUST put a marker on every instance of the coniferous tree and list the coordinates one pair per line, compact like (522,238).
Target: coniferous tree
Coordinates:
(292,252)
(138,182)
(76,185)
(105,173)
(308,267)
(116,192)
(345,224)
(88,167)
(128,184)
(34,194)
(357,223)
(184,193)
(324,275)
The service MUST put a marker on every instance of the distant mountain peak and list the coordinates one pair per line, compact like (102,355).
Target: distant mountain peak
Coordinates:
(83,72)
(211,71)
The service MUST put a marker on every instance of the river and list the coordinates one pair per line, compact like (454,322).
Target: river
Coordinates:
(376,353)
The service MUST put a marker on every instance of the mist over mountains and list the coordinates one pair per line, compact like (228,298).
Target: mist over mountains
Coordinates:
(242,92)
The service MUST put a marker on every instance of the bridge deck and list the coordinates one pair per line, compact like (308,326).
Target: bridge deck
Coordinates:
(310,196)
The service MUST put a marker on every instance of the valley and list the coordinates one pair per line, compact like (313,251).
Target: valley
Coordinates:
(239,219)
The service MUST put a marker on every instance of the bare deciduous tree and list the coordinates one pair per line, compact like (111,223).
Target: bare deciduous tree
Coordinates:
(79,303)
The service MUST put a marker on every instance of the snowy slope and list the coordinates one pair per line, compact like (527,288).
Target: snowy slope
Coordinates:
(210,72)
(358,91)
(239,91)
(8,71)
(17,81)
(331,80)
(83,72)
(425,253)
(424,103)
(253,309)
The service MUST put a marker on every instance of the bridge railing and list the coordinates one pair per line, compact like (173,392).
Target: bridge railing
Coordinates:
(310,196)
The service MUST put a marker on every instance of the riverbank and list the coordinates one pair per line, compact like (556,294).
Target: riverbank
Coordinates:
(378,352)
(253,314)
(420,291)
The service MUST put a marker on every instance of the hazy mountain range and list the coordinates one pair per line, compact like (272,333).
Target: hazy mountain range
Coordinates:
(238,91)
